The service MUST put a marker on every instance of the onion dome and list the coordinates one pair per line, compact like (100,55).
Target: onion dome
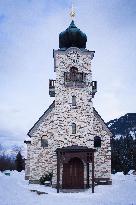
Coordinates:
(72,37)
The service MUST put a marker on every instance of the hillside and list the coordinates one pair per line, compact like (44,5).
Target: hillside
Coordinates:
(123,143)
(124,125)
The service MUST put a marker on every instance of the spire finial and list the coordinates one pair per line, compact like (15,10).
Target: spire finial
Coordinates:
(72,12)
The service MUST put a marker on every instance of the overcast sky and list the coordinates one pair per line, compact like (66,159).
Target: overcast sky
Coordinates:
(29,31)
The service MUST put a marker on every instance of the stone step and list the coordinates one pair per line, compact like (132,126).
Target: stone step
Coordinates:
(72,190)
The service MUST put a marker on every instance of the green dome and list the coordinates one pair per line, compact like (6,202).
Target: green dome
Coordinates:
(72,37)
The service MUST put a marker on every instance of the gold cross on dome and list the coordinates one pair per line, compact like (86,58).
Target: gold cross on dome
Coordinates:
(72,12)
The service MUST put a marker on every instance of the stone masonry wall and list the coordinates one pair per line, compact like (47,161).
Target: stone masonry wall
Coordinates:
(65,113)
(102,158)
(56,125)
(41,158)
(27,162)
(82,114)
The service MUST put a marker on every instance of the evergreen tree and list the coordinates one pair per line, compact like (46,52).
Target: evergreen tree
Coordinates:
(134,154)
(123,143)
(115,156)
(123,154)
(19,162)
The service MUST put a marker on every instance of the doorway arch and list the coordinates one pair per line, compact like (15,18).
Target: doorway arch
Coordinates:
(73,174)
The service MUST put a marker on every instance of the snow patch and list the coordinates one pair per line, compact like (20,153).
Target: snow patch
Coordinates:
(14,190)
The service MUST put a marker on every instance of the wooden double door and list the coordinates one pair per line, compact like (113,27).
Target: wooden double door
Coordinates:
(73,174)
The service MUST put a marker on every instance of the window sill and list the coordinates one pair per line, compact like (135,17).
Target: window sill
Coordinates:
(74,106)
(45,147)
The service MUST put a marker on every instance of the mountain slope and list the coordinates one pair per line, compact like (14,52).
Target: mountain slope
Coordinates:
(124,125)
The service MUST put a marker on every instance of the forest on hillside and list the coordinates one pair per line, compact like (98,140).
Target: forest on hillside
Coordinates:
(123,143)
(11,162)
(123,154)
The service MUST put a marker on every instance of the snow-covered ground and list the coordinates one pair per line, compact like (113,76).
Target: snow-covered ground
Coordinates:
(14,190)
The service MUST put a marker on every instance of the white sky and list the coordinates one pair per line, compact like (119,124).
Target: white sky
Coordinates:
(29,31)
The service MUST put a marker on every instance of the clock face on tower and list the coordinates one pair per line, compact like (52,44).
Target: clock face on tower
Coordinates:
(77,58)
(74,57)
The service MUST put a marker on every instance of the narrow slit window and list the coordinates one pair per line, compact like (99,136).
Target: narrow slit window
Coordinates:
(97,141)
(73,128)
(73,100)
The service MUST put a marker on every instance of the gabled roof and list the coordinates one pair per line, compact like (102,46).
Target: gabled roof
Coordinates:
(36,125)
(45,114)
(105,127)
(75,148)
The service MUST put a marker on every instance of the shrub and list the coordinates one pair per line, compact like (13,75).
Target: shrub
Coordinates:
(46,177)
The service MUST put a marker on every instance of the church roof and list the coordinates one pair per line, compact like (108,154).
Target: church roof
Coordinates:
(72,37)
(105,127)
(45,114)
(75,148)
(51,107)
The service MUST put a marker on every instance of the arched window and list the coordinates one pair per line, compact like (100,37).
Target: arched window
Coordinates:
(44,142)
(73,70)
(73,128)
(73,100)
(97,141)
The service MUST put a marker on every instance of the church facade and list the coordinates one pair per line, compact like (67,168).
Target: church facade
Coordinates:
(70,140)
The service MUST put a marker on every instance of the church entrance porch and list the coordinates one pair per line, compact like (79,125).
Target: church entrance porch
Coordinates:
(75,161)
(73,174)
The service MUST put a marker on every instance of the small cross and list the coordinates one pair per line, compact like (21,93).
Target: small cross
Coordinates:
(72,12)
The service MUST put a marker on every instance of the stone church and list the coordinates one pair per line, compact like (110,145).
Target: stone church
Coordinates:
(70,140)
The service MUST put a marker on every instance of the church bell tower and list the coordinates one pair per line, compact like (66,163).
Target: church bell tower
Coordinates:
(73,88)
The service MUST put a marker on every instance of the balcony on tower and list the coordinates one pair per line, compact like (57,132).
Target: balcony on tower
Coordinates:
(94,88)
(52,88)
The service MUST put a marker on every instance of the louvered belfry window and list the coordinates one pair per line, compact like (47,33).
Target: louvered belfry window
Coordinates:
(74,75)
